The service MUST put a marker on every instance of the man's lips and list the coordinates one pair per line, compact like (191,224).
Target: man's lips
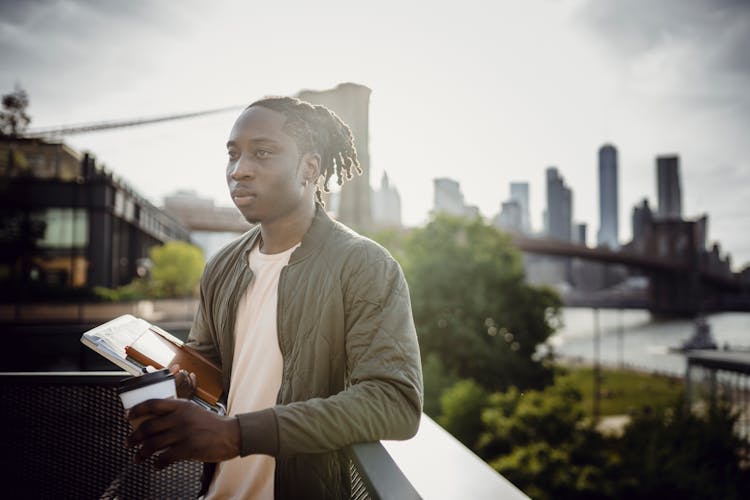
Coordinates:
(242,197)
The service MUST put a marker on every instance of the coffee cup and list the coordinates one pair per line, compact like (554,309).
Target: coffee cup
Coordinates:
(156,385)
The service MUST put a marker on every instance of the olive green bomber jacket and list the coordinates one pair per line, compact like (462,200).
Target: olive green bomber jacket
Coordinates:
(351,367)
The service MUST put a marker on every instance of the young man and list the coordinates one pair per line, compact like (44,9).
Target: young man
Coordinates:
(310,322)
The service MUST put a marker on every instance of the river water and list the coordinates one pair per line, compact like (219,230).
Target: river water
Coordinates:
(644,343)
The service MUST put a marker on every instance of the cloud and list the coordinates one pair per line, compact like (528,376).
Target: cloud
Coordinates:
(637,26)
(703,40)
(18,13)
(85,52)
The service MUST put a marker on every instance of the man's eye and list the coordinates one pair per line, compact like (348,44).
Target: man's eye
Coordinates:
(262,154)
(233,155)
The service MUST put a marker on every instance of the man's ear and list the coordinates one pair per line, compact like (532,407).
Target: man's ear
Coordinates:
(311,167)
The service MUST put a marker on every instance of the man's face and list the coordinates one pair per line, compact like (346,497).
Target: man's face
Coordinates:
(265,173)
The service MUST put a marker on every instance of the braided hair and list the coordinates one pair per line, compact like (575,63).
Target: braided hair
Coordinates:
(317,129)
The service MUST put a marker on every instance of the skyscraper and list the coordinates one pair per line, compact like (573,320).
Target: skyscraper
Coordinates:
(641,219)
(608,198)
(448,197)
(580,233)
(386,205)
(509,217)
(351,102)
(668,186)
(559,207)
(519,192)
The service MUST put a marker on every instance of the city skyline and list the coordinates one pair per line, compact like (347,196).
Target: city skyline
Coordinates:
(470,93)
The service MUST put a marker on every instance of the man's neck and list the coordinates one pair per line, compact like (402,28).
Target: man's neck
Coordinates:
(282,234)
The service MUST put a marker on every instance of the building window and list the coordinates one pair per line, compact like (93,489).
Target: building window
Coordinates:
(130,210)
(119,203)
(61,228)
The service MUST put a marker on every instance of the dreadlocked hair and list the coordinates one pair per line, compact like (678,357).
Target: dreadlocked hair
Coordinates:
(317,129)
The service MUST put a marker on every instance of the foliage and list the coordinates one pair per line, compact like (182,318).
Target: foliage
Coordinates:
(622,391)
(394,239)
(543,442)
(177,268)
(138,289)
(461,407)
(13,117)
(436,380)
(175,272)
(472,307)
(675,453)
(538,440)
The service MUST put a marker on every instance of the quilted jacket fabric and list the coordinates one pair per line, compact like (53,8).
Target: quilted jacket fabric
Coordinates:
(351,369)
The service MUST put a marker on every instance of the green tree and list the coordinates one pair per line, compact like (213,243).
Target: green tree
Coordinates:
(472,307)
(461,407)
(13,116)
(394,239)
(436,380)
(176,269)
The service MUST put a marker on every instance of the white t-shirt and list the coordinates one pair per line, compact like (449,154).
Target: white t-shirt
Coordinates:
(256,376)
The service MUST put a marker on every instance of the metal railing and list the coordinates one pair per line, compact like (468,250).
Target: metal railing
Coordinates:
(720,374)
(63,435)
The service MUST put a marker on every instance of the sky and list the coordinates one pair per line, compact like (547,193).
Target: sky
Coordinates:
(482,92)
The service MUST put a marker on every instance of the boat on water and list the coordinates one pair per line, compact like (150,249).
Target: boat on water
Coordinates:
(701,338)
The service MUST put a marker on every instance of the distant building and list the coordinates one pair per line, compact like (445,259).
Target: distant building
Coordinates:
(351,102)
(448,197)
(68,225)
(641,220)
(211,227)
(386,205)
(580,233)
(510,216)
(519,192)
(608,198)
(668,186)
(559,214)
(471,211)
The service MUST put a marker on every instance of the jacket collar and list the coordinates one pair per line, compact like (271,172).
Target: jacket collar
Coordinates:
(316,235)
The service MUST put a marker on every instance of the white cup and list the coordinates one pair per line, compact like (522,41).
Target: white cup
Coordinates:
(155,385)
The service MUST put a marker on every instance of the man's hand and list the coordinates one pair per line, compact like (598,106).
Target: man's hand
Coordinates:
(183,430)
(184,382)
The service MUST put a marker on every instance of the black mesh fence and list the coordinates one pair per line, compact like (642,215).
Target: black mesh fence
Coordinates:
(62,437)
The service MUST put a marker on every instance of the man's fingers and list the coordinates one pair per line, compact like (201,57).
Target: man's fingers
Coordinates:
(172,455)
(152,427)
(152,407)
(155,443)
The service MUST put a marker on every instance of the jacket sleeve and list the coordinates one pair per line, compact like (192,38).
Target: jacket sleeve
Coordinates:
(383,399)
(200,337)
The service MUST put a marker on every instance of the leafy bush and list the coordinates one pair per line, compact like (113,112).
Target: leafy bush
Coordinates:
(675,453)
(461,406)
(177,268)
(175,272)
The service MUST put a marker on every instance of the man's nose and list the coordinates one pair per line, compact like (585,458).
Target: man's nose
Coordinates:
(242,168)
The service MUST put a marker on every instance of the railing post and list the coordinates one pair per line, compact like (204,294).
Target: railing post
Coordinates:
(597,368)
